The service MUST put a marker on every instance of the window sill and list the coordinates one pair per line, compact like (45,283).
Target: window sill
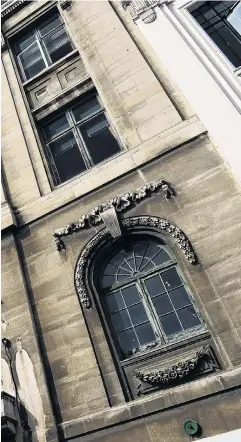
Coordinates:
(50,68)
(193,337)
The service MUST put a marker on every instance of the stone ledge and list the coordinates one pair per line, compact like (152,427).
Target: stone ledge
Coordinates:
(8,219)
(199,389)
(120,165)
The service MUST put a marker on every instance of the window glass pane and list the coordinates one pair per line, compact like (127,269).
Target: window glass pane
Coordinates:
(145,333)
(99,140)
(32,61)
(154,285)
(179,297)
(86,109)
(235,18)
(188,317)
(67,157)
(170,324)
(131,295)
(162,305)
(128,341)
(56,126)
(114,302)
(49,24)
(25,41)
(161,258)
(171,279)
(121,320)
(137,314)
(57,44)
(107,281)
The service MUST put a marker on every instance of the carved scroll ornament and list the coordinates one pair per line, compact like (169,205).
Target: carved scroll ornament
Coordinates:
(120,203)
(143,9)
(174,373)
(130,223)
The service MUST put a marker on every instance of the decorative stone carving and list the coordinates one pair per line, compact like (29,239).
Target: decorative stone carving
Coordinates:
(128,224)
(111,221)
(9,6)
(120,203)
(144,9)
(64,4)
(204,361)
(174,373)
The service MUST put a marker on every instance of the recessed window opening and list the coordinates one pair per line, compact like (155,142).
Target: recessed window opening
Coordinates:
(145,297)
(78,139)
(42,45)
(222,23)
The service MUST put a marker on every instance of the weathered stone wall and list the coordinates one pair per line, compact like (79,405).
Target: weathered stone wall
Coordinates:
(203,184)
(40,300)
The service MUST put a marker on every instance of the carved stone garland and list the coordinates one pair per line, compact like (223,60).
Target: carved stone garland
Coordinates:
(143,221)
(120,203)
(174,373)
(144,9)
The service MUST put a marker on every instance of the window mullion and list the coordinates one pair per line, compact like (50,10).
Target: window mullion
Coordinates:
(149,310)
(38,40)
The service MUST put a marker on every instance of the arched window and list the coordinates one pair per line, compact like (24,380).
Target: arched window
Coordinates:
(144,296)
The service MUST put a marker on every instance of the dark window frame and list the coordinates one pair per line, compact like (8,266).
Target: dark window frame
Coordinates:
(39,41)
(161,337)
(74,127)
(209,26)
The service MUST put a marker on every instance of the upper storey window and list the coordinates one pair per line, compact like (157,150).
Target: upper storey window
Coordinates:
(78,139)
(42,46)
(222,22)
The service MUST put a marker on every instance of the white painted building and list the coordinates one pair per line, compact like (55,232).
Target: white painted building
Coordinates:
(199,43)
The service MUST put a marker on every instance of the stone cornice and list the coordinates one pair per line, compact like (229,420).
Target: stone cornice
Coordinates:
(9,6)
(144,9)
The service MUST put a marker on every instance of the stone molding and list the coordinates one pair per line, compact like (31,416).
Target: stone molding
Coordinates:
(120,203)
(160,224)
(9,6)
(176,372)
(144,9)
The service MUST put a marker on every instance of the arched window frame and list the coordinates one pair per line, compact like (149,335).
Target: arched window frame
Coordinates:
(88,293)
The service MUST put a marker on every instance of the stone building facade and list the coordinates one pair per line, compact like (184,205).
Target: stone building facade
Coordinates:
(121,235)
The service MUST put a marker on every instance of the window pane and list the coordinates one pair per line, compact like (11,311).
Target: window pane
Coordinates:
(114,302)
(25,42)
(171,279)
(107,281)
(145,333)
(57,44)
(179,297)
(49,24)
(120,320)
(154,285)
(170,324)
(235,18)
(137,314)
(67,157)
(188,317)
(131,295)
(128,341)
(56,126)
(161,258)
(86,109)
(99,140)
(32,61)
(162,305)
